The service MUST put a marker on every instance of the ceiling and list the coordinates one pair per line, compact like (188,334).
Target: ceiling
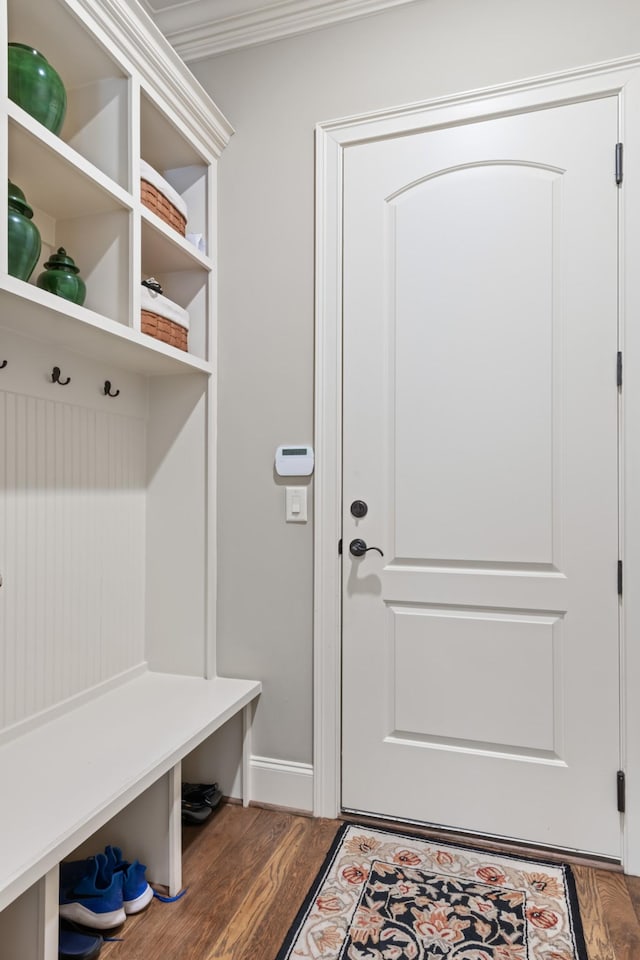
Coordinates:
(203,28)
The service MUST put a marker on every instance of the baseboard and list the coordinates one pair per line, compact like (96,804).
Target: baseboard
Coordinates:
(279,783)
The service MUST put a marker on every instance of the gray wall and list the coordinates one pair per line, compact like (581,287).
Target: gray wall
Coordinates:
(274,95)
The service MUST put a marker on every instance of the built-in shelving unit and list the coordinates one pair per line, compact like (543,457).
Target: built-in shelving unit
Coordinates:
(107,500)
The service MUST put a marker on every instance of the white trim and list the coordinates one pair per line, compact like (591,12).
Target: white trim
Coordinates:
(282,784)
(196,32)
(630,462)
(328,477)
(620,77)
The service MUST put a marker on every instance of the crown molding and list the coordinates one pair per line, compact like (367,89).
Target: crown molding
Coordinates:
(195,32)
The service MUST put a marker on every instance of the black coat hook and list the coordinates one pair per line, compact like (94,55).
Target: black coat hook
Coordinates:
(3,364)
(55,377)
(107,389)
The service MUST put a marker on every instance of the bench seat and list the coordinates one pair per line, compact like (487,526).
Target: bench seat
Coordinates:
(66,778)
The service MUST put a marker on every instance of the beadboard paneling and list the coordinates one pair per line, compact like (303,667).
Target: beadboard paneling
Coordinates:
(72,520)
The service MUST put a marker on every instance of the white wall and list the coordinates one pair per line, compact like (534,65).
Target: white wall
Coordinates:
(274,95)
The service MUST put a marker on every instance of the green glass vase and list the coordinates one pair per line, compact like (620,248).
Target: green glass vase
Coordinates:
(62,277)
(36,87)
(24,236)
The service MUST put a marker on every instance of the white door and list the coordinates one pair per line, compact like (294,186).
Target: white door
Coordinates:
(480,653)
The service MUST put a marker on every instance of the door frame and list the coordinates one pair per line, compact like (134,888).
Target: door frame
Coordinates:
(621,78)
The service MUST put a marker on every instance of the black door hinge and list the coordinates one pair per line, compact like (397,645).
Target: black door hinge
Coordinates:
(621,785)
(620,578)
(619,369)
(618,163)
(340,547)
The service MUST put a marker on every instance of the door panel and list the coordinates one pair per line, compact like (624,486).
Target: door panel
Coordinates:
(449,234)
(456,647)
(480,654)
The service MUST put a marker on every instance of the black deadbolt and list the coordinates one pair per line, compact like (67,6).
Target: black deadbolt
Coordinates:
(359,508)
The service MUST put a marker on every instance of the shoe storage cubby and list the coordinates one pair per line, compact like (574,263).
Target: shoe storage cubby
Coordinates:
(107,492)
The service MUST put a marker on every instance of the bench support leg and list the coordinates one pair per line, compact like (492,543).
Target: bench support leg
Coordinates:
(29,925)
(175,829)
(247,724)
(48,894)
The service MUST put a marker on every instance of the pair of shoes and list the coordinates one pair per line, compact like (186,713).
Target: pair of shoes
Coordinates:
(75,944)
(101,891)
(199,800)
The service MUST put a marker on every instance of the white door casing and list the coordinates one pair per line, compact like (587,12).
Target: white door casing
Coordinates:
(619,80)
(480,656)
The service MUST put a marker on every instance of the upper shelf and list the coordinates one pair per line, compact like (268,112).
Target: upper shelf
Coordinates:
(124,104)
(53,175)
(35,313)
(97,85)
(54,30)
(162,144)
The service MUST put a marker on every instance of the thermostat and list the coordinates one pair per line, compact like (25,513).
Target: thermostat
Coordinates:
(294,460)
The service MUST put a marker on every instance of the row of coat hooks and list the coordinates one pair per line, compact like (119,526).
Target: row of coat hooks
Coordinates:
(56,377)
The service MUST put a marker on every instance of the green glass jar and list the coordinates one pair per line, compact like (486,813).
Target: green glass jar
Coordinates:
(24,236)
(36,87)
(62,277)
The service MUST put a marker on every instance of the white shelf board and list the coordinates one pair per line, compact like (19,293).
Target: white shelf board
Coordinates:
(35,313)
(166,249)
(54,176)
(65,779)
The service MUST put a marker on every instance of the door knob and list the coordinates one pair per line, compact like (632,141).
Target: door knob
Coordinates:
(358,548)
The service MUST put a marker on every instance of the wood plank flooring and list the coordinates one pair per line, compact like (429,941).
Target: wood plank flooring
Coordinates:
(247,872)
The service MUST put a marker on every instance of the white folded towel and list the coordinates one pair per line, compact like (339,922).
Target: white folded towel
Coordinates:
(157,303)
(153,177)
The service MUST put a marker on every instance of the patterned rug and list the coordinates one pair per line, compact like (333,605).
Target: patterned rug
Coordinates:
(387,896)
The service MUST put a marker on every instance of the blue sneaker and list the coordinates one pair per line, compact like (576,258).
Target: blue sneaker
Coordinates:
(136,892)
(91,894)
(77,945)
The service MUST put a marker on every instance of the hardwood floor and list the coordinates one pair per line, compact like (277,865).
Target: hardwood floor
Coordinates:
(247,871)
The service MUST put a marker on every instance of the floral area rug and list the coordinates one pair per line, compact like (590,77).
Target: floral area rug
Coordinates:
(387,896)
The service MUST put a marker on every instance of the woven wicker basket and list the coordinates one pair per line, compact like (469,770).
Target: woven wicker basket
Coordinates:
(165,330)
(158,204)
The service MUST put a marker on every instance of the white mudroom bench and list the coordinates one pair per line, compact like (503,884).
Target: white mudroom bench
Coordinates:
(65,779)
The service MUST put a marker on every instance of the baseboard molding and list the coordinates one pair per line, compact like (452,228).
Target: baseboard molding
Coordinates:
(278,783)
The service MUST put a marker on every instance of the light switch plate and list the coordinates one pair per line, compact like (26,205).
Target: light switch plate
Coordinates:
(296,504)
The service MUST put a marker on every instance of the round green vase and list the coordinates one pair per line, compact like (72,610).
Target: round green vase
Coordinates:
(24,236)
(36,87)
(61,276)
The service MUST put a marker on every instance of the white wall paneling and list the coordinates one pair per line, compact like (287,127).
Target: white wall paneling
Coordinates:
(72,492)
